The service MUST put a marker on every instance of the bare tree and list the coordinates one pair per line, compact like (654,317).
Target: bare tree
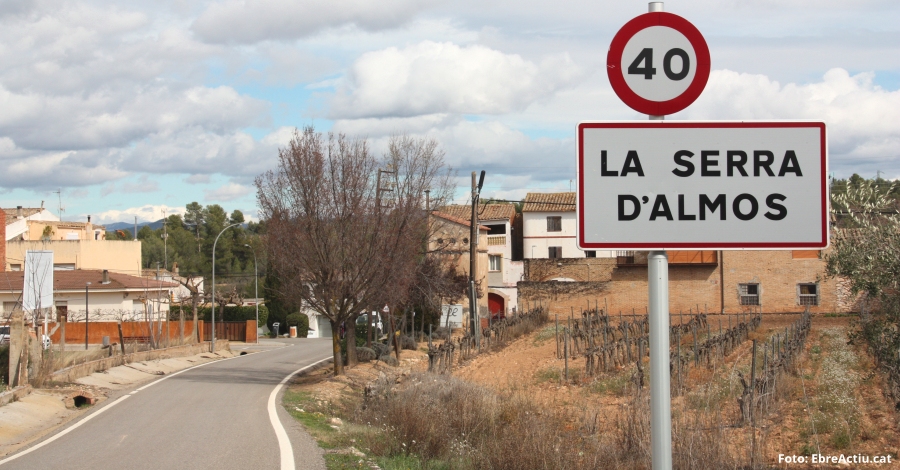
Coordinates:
(345,227)
(192,284)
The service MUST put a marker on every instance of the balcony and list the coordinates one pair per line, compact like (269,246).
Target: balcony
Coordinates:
(496,240)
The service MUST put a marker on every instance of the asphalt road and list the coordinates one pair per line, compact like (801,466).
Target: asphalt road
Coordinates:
(215,416)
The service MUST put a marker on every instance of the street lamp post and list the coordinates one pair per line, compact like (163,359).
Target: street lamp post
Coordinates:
(256,294)
(213,306)
(87,313)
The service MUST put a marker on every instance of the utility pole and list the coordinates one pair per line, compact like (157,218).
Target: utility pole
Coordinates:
(165,241)
(473,264)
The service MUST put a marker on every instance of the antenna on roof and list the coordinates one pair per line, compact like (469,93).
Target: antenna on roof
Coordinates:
(61,208)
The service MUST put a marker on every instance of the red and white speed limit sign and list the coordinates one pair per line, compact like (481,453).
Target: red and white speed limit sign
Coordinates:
(658,63)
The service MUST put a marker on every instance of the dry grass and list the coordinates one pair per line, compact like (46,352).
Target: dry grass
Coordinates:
(439,418)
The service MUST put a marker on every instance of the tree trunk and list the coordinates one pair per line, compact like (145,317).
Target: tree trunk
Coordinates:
(336,348)
(195,298)
(350,337)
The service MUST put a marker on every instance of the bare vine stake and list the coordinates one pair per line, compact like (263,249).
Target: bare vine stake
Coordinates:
(678,357)
(752,390)
(557,336)
(566,353)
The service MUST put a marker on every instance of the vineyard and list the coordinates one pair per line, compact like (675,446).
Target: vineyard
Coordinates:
(748,385)
(571,392)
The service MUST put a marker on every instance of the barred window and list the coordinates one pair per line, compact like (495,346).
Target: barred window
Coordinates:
(749,294)
(808,294)
(554,224)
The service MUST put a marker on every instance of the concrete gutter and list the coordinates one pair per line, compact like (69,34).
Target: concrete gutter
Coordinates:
(14,394)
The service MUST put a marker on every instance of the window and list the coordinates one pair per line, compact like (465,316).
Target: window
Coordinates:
(590,254)
(495,262)
(808,294)
(749,294)
(15,267)
(497,229)
(555,252)
(554,224)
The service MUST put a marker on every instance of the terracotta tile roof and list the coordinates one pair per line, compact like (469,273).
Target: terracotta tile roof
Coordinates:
(549,202)
(12,281)
(485,211)
(457,220)
(12,214)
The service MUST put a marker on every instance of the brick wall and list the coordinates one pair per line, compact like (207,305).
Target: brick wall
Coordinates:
(599,281)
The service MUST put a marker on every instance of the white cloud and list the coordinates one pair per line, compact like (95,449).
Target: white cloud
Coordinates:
(228,192)
(860,116)
(197,179)
(431,77)
(142,185)
(240,21)
(146,213)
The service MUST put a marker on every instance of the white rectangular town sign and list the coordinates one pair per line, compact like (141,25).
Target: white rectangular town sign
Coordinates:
(658,185)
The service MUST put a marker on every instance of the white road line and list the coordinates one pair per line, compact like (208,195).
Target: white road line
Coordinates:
(110,405)
(284,442)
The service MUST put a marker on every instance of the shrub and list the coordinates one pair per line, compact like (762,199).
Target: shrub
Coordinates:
(232,313)
(381,349)
(408,342)
(301,321)
(365,354)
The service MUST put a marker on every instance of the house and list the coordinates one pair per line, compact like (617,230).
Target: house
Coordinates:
(450,241)
(75,245)
(503,272)
(181,293)
(109,296)
(549,226)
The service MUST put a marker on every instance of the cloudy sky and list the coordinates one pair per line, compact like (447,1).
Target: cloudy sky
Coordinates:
(131,108)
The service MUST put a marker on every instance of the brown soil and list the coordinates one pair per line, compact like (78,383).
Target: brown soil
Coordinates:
(527,365)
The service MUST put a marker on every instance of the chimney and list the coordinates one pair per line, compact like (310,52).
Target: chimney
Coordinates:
(19,212)
(105,277)
(89,219)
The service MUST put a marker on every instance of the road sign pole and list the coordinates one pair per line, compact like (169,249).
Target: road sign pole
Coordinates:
(660,394)
(660,397)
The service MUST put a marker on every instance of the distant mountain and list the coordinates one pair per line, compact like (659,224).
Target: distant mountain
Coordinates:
(130,225)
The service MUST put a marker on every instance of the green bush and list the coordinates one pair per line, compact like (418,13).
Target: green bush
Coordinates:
(301,321)
(232,313)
